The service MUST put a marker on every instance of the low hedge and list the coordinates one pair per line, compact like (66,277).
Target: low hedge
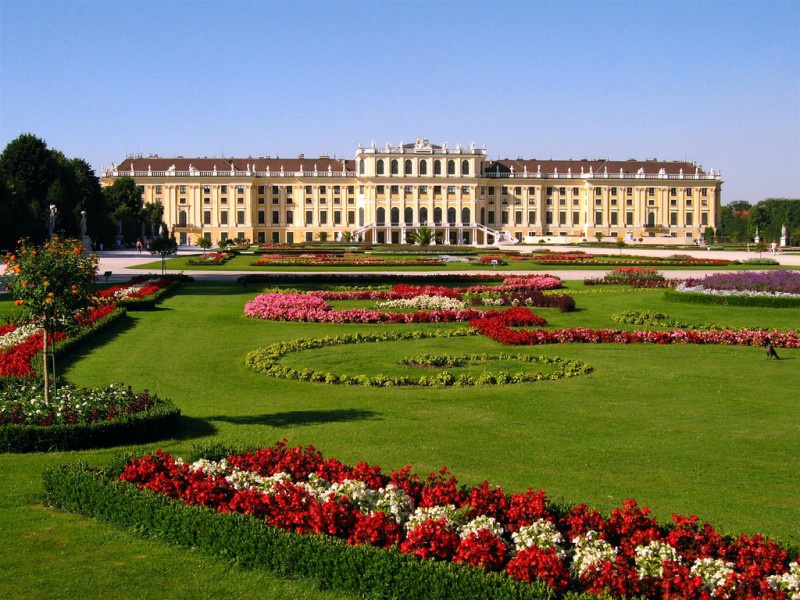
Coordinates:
(363,570)
(368,279)
(160,422)
(733,300)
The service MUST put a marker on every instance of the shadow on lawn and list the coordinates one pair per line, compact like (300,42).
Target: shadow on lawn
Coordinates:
(192,427)
(301,417)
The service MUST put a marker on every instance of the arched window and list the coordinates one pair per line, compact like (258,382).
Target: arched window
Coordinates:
(451,215)
(409,215)
(437,215)
(395,216)
(651,219)
(360,217)
(423,216)
(437,167)
(423,167)
(465,167)
(394,167)
(451,167)
(182,218)
(407,167)
(379,167)
(465,216)
(380,216)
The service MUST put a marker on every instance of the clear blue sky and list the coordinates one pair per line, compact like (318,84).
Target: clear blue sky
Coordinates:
(713,81)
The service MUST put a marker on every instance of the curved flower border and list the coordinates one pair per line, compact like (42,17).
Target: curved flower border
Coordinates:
(524,535)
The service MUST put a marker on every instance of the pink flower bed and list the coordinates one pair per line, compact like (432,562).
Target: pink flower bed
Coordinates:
(312,307)
(627,553)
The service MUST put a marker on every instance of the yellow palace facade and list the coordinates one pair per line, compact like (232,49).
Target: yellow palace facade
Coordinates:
(386,192)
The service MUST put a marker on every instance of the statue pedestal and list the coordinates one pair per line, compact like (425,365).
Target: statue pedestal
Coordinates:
(87,243)
(783,241)
(118,241)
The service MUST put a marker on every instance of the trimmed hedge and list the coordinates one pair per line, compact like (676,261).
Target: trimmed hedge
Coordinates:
(364,570)
(161,421)
(733,300)
(364,279)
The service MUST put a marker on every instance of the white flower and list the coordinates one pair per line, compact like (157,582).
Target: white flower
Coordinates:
(650,558)
(394,502)
(713,571)
(788,582)
(482,522)
(425,303)
(435,513)
(542,534)
(590,550)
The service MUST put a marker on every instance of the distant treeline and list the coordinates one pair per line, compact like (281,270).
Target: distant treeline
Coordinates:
(740,220)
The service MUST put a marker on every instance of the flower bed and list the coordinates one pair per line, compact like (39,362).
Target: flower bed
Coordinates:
(319,259)
(637,277)
(433,304)
(140,293)
(211,258)
(500,330)
(768,289)
(523,535)
(579,258)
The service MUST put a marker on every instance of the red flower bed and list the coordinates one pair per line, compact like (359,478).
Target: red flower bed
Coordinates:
(499,329)
(298,490)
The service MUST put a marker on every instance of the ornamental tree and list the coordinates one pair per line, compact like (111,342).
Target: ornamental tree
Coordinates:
(52,284)
(164,246)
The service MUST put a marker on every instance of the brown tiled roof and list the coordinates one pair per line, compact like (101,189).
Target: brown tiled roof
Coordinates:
(239,164)
(596,166)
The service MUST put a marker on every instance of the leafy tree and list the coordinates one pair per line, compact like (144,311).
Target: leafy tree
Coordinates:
(124,200)
(598,235)
(52,285)
(164,245)
(620,243)
(322,236)
(205,243)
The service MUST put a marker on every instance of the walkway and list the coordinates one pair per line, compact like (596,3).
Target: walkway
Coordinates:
(122,262)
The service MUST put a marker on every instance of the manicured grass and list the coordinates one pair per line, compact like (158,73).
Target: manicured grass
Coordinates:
(706,430)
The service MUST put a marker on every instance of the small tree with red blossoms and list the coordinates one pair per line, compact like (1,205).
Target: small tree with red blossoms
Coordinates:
(52,286)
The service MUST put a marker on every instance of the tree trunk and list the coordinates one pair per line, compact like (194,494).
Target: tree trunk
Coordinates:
(44,370)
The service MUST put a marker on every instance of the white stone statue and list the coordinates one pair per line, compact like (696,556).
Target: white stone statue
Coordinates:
(51,222)
(83,224)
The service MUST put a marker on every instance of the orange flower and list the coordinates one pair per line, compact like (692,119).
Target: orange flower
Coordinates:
(48,300)
(19,302)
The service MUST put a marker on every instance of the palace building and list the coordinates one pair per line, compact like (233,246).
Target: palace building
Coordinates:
(386,192)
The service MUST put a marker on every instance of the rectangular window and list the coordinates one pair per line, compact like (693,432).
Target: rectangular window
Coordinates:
(628,191)
(158,189)
(289,217)
(240,189)
(223,218)
(576,218)
(323,189)
(673,219)
(491,217)
(504,191)
(337,217)
(308,189)
(548,218)
(276,217)
(689,219)
(562,190)
(629,219)
(651,191)
(223,200)
(598,202)
(394,190)
(261,189)
(673,191)
(704,218)
(351,217)
(704,192)
(206,217)
(206,200)
(451,189)
(336,189)
(549,191)
(575,191)
(491,190)
(614,219)
(351,189)
(309,217)
(518,217)
(408,189)
(240,201)
(504,217)
(261,201)
(688,191)
(380,190)
(613,191)
(423,190)
(437,190)
(598,217)
(562,218)
(531,191)
(531,217)
(274,189)
(323,217)
(465,190)
(181,189)
(688,202)
(288,190)
(206,189)
(223,189)
(240,217)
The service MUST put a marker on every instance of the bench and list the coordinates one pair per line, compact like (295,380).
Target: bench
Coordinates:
(107,274)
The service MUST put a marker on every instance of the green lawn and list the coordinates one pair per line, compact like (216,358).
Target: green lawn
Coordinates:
(706,430)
